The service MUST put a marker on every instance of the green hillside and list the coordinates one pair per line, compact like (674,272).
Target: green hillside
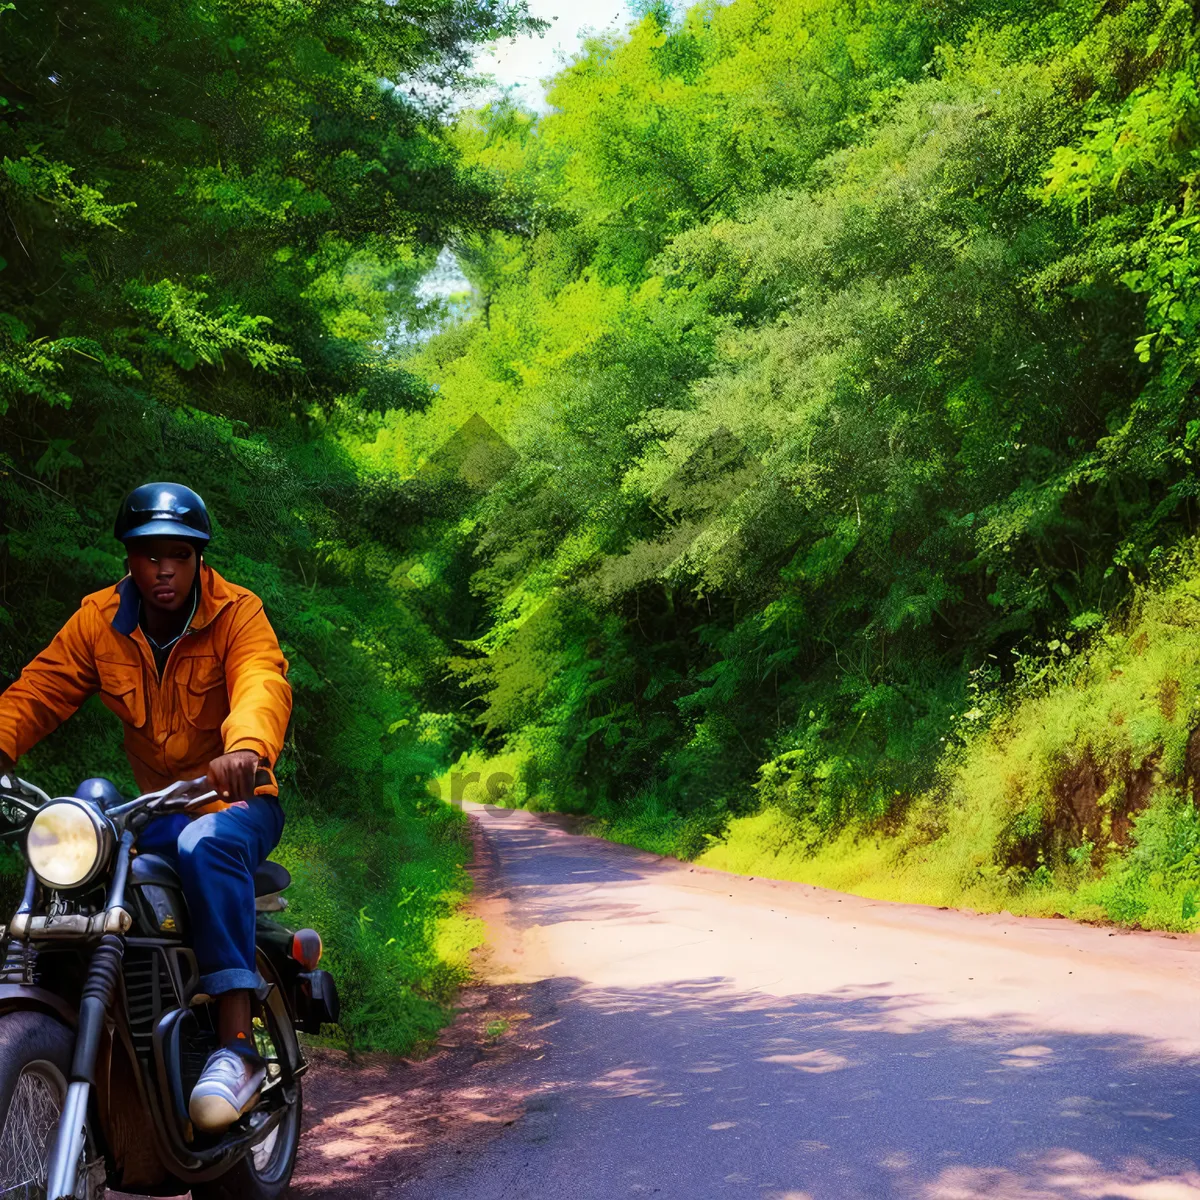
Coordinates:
(847,363)
(1075,796)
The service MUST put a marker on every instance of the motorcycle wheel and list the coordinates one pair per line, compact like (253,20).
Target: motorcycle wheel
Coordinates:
(35,1056)
(265,1172)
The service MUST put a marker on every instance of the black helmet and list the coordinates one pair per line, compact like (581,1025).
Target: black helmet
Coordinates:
(163,510)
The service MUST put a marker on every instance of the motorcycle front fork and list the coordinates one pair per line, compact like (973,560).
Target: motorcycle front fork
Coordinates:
(62,1174)
(98,991)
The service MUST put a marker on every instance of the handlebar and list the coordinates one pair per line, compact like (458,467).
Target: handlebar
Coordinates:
(174,798)
(22,790)
(178,797)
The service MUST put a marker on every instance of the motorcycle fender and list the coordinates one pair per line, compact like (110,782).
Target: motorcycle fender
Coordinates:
(278,1000)
(123,1106)
(21,995)
(168,1061)
(315,1000)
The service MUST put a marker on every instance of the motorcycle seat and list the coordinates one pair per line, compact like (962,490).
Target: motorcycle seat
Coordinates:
(150,868)
(271,878)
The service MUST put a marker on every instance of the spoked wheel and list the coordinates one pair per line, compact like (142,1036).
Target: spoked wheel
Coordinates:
(35,1053)
(264,1173)
(28,1133)
(272,1159)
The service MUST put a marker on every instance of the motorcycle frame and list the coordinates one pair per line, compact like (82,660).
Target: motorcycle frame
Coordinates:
(98,1028)
(149,1071)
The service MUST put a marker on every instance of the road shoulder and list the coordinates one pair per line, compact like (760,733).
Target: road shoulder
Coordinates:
(371,1124)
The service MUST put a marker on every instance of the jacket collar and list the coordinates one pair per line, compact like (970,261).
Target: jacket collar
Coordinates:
(215,595)
(126,618)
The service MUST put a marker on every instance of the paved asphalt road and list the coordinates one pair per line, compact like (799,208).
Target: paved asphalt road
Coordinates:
(708,1035)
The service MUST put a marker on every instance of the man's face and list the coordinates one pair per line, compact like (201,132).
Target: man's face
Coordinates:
(164,570)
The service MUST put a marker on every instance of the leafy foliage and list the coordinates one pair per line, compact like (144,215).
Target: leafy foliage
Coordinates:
(831,382)
(213,218)
(850,356)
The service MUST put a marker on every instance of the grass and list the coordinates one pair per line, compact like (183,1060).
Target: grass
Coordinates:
(389,905)
(1154,884)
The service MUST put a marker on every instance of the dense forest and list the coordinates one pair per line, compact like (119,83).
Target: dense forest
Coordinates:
(214,216)
(846,364)
(809,483)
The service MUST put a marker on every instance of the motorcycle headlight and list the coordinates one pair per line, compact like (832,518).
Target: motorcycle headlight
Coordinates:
(67,843)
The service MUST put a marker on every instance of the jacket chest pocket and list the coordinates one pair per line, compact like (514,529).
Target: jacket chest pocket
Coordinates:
(202,692)
(122,691)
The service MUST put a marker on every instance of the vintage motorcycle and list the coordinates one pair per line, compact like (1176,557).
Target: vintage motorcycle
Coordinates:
(102,1031)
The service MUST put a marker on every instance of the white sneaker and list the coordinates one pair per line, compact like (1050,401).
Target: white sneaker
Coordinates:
(227,1087)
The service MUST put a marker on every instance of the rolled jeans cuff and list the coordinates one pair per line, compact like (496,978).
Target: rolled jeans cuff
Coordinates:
(230,980)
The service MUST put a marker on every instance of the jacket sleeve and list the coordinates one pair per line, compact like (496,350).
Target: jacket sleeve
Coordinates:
(260,697)
(50,689)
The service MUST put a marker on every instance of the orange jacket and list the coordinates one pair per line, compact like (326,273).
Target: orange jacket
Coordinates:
(224,686)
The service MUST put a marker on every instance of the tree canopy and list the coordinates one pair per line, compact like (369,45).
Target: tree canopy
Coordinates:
(212,219)
(847,350)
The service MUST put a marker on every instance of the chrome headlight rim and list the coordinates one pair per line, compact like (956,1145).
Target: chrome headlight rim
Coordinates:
(105,840)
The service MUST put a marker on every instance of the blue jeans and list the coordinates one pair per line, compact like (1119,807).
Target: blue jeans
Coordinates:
(216,856)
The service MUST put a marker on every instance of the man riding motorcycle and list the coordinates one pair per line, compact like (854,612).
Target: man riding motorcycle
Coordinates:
(191,665)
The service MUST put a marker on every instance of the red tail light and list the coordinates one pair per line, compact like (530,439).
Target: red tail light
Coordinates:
(307,948)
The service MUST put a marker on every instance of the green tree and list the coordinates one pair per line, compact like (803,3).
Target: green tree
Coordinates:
(213,216)
(928,270)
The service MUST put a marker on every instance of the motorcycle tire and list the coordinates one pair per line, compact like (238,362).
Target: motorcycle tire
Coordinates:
(35,1058)
(265,1172)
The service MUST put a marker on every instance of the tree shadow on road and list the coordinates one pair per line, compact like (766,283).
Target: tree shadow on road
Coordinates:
(701,1087)
(696,1089)
(567,883)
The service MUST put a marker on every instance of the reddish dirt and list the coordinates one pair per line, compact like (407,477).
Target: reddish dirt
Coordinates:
(369,1124)
(1078,815)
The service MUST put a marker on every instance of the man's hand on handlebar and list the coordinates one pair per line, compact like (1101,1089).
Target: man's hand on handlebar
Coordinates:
(232,775)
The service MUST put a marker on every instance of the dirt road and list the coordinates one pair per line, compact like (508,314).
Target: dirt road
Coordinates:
(692,1034)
